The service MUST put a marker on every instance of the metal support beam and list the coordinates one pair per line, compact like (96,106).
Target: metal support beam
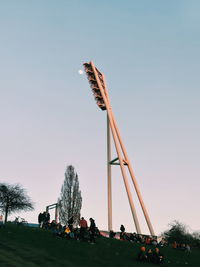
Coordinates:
(53,206)
(56,213)
(109,177)
(112,161)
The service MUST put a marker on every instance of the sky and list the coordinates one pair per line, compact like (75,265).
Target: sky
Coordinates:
(149,52)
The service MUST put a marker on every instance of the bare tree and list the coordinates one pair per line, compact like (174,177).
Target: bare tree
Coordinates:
(13,198)
(70,201)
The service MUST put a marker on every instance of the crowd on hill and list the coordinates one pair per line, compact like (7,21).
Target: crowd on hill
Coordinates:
(83,232)
(149,251)
(181,246)
(148,240)
(151,256)
(138,238)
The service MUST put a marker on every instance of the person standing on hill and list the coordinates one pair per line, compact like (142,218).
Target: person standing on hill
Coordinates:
(70,223)
(122,229)
(47,217)
(83,227)
(40,219)
(92,230)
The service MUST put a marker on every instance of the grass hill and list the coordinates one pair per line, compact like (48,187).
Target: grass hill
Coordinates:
(26,246)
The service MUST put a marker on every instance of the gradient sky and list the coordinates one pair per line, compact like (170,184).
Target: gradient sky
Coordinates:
(150,54)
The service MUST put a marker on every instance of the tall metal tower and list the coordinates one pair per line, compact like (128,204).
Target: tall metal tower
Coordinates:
(99,89)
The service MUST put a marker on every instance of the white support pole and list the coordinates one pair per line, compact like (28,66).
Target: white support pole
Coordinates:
(125,178)
(109,176)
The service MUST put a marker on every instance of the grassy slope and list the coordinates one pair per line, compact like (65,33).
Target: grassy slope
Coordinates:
(24,246)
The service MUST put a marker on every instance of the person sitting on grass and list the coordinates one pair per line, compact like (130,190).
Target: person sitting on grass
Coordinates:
(67,233)
(154,242)
(53,224)
(76,232)
(1,220)
(71,235)
(142,256)
(148,240)
(187,248)
(174,245)
(149,255)
(112,234)
(157,257)
(58,230)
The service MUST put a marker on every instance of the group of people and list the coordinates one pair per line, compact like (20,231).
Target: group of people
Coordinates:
(149,240)
(92,230)
(181,246)
(151,256)
(43,219)
(138,238)
(89,233)
(83,232)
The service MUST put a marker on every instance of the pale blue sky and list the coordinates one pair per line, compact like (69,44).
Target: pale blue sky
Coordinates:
(150,54)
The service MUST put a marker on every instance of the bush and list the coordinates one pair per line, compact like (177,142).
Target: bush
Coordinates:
(178,232)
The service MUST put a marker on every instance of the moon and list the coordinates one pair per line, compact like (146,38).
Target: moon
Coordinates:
(80,72)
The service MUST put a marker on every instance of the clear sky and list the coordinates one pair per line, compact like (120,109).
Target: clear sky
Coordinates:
(150,54)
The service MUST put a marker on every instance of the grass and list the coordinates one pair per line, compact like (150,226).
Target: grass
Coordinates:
(25,246)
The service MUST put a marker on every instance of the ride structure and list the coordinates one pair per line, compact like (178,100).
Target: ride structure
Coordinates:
(53,206)
(100,92)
